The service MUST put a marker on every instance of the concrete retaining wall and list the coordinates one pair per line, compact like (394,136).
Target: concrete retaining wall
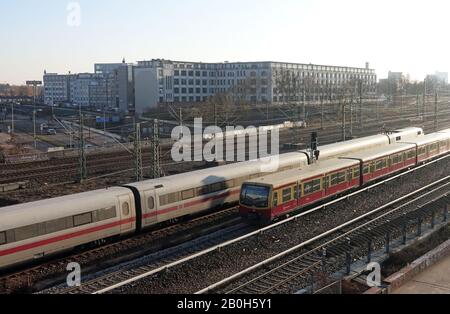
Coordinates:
(409,272)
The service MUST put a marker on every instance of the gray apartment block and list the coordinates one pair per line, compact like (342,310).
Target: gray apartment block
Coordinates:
(110,87)
(164,81)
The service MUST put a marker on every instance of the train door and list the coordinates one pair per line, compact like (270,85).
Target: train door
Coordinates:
(149,208)
(126,212)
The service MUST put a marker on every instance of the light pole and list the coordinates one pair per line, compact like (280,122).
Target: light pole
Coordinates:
(12,118)
(35,84)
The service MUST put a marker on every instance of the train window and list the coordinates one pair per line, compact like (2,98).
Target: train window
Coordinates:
(164,200)
(334,179)
(2,238)
(296,196)
(379,165)
(366,169)
(399,138)
(55,225)
(275,199)
(204,190)
(287,195)
(83,219)
(151,203)
(356,172)
(422,151)
(317,185)
(443,144)
(307,188)
(411,154)
(217,187)
(173,197)
(106,213)
(395,159)
(188,194)
(26,232)
(125,209)
(341,177)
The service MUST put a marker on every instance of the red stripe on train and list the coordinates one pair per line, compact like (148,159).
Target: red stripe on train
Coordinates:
(65,237)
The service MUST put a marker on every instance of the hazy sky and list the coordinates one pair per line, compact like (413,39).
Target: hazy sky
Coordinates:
(399,35)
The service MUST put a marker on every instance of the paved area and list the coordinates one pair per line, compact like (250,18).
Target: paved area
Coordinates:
(435,280)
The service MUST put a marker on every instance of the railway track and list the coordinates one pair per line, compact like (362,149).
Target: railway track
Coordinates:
(54,170)
(63,171)
(53,272)
(130,282)
(291,270)
(154,262)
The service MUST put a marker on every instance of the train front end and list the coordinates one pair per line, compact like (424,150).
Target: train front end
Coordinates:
(254,202)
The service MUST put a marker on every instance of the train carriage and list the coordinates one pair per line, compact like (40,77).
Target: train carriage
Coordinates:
(278,194)
(380,162)
(432,146)
(35,230)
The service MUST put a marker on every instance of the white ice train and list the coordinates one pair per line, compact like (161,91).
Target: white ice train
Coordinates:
(38,229)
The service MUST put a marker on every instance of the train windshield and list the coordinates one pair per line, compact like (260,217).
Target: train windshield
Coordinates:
(255,196)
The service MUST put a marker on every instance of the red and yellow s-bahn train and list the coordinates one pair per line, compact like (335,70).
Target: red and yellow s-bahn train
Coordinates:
(269,197)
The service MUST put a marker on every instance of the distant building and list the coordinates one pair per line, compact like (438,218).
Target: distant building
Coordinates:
(147,84)
(56,88)
(394,84)
(163,81)
(436,81)
(110,87)
(442,76)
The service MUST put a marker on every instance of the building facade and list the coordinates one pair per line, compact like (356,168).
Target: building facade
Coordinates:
(110,87)
(147,84)
(164,81)
(436,81)
(56,88)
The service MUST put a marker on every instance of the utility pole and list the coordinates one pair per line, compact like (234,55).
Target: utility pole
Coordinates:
(215,114)
(12,118)
(343,121)
(104,126)
(322,113)
(351,115)
(418,103)
(81,151)
(34,84)
(436,124)
(360,104)
(304,104)
(424,99)
(138,153)
(34,128)
(155,168)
